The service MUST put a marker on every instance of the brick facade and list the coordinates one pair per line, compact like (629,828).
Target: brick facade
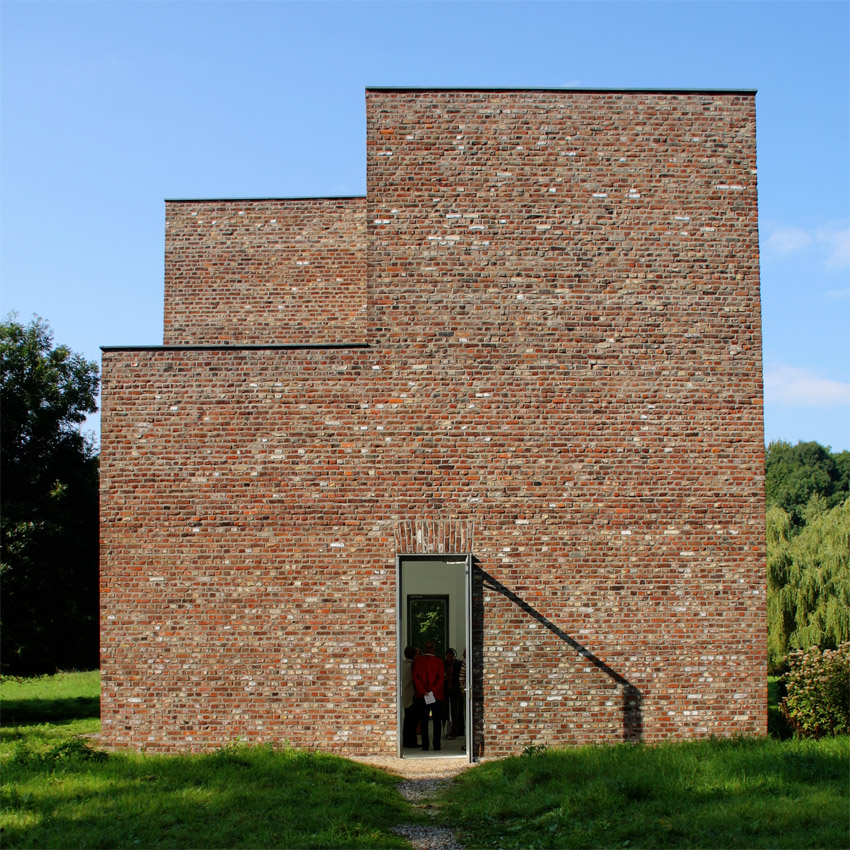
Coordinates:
(560,295)
(265,271)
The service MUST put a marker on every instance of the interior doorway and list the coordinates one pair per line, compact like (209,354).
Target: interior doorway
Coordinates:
(434,603)
(428,619)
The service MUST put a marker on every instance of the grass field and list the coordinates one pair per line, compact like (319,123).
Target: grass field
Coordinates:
(59,792)
(734,793)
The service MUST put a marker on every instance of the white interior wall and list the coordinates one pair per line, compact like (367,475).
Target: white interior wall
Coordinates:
(439,577)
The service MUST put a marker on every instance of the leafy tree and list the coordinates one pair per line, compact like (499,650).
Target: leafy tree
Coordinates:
(795,474)
(808,579)
(842,464)
(48,504)
(781,608)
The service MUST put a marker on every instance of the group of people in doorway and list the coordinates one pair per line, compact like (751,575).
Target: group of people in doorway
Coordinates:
(432,687)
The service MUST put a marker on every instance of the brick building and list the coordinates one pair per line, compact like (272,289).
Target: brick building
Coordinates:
(518,382)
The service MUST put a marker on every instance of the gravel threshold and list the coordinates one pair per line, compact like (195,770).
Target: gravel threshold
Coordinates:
(422,780)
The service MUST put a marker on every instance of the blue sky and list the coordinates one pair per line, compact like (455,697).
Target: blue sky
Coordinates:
(108,108)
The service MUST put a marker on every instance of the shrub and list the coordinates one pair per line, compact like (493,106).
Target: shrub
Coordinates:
(68,752)
(818,691)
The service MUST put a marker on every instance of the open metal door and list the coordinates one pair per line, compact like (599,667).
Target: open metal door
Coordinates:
(398,660)
(467,708)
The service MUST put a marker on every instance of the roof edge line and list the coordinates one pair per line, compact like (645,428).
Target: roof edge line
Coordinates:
(577,90)
(294,346)
(268,198)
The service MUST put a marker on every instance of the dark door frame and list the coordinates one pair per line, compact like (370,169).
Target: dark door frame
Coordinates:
(459,559)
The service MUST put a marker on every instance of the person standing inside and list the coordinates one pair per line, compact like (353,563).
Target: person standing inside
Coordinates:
(453,695)
(411,714)
(429,674)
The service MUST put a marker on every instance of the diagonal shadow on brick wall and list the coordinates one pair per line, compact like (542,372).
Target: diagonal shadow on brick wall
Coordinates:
(632,704)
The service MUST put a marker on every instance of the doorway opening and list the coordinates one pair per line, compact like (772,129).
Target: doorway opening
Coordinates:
(428,619)
(434,604)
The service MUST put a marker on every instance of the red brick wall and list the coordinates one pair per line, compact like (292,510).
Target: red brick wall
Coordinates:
(578,275)
(265,271)
(248,583)
(576,377)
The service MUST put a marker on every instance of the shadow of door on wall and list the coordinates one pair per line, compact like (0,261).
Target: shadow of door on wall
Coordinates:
(632,698)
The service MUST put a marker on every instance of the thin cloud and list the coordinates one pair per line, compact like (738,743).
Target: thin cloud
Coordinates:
(837,242)
(785,240)
(796,387)
(838,294)
(832,241)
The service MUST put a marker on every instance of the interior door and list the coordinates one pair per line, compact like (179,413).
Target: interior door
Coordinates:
(428,620)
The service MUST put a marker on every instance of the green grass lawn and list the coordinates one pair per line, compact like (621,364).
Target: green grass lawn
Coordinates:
(745,793)
(57,791)
(51,699)
(719,793)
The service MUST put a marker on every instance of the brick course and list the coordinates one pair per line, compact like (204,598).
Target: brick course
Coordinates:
(561,295)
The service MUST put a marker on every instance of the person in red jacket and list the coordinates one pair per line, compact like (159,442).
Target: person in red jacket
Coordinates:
(429,676)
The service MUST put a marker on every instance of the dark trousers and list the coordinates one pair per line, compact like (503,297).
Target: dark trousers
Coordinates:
(458,729)
(408,729)
(434,710)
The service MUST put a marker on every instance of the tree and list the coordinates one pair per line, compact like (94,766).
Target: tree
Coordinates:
(842,464)
(781,610)
(808,580)
(795,474)
(48,503)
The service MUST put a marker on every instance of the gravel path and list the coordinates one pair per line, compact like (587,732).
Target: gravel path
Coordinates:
(429,837)
(422,779)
